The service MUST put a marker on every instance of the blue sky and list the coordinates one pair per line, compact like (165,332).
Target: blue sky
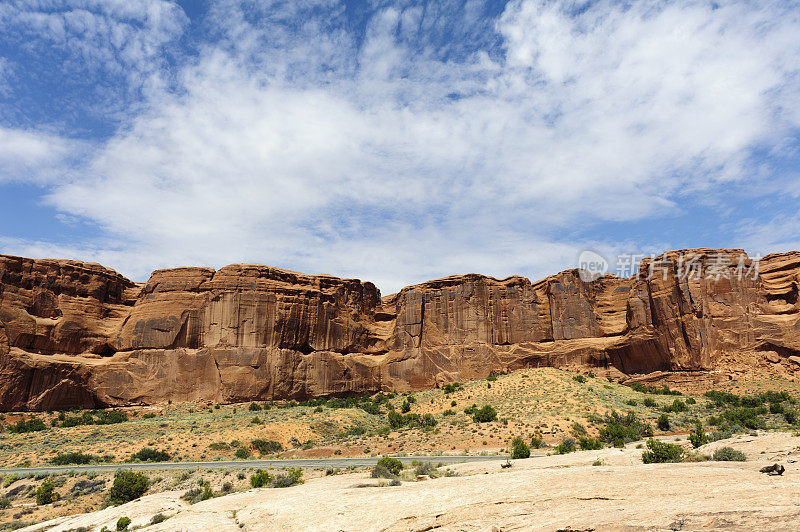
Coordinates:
(396,141)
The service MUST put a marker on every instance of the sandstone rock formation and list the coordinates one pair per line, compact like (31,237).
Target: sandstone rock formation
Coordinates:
(74,334)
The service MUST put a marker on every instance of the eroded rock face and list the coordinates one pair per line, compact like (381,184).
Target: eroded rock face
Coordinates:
(74,334)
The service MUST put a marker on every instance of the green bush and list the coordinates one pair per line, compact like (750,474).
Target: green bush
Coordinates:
(254,407)
(128,486)
(676,406)
(566,446)
(491,378)
(579,378)
(747,417)
(123,523)
(649,402)
(45,493)
(776,408)
(661,452)
(158,518)
(790,416)
(260,478)
(266,446)
(698,436)
(663,422)
(451,388)
(589,444)
(645,388)
(537,442)
(484,415)
(405,407)
(393,465)
(32,425)
(519,449)
(294,475)
(631,402)
(242,453)
(150,455)
(74,458)
(619,429)
(729,454)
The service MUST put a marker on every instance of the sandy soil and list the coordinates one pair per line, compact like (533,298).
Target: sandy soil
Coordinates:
(545,493)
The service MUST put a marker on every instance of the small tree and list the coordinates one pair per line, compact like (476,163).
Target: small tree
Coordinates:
(698,436)
(661,452)
(123,523)
(45,494)
(663,422)
(127,486)
(393,465)
(519,449)
(484,415)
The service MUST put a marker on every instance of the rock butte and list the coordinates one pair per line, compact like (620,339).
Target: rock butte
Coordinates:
(75,334)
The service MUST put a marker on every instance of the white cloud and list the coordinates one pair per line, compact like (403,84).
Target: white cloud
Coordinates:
(35,156)
(293,143)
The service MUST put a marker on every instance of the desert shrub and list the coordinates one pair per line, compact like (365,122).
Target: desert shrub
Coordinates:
(537,442)
(566,446)
(32,425)
(663,422)
(722,398)
(491,378)
(150,455)
(293,475)
(448,412)
(661,452)
(254,407)
(123,523)
(578,429)
(520,449)
(73,458)
(620,429)
(266,446)
(393,465)
(193,496)
(5,503)
(589,444)
(227,487)
(484,415)
(158,518)
(790,416)
(452,388)
(631,402)
(219,446)
(698,436)
(776,408)
(260,478)
(207,493)
(690,401)
(256,421)
(676,406)
(241,452)
(110,417)
(649,402)
(729,454)
(128,485)
(579,378)
(745,416)
(405,407)
(644,388)
(46,493)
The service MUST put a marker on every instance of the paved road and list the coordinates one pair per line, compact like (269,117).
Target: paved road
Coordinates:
(240,464)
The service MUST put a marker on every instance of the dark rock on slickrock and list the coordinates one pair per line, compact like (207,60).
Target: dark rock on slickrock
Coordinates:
(774,469)
(74,334)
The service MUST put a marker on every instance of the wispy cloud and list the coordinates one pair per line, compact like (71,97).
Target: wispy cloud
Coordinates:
(377,146)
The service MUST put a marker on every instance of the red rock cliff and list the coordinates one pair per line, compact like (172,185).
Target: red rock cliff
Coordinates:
(78,334)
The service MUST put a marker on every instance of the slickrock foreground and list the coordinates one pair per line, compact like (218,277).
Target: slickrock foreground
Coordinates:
(76,334)
(543,493)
